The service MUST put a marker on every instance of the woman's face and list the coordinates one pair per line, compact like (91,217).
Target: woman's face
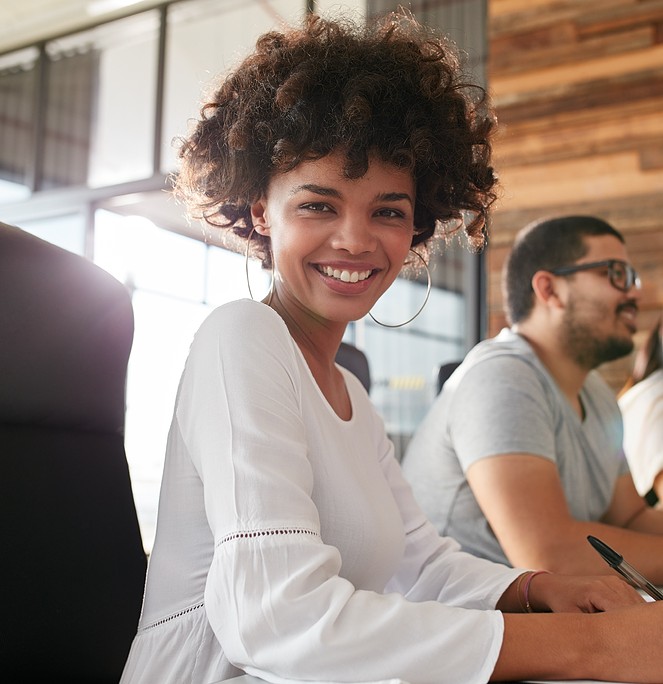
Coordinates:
(337,244)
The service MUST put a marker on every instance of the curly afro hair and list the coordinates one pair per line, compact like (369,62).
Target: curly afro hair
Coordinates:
(392,89)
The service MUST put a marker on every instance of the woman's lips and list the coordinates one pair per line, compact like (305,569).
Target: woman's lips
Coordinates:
(345,279)
(344,274)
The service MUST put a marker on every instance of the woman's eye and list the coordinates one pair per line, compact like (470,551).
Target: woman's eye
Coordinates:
(390,213)
(316,206)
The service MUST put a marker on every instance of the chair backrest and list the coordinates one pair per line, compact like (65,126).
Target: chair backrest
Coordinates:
(73,565)
(356,362)
(444,373)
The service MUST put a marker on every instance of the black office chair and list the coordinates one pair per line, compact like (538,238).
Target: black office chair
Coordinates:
(356,362)
(444,373)
(73,564)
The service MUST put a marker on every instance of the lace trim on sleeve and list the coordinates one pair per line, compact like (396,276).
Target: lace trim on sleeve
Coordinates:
(252,534)
(170,618)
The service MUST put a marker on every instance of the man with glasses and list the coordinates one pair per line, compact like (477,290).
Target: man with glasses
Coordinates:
(520,457)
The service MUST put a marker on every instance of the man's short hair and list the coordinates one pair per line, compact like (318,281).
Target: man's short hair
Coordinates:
(545,244)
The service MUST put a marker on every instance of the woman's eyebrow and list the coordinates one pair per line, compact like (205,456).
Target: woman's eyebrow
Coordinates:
(317,189)
(393,197)
(332,192)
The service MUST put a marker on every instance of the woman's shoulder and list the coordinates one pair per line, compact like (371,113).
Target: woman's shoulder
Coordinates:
(243,328)
(242,315)
(643,393)
(244,319)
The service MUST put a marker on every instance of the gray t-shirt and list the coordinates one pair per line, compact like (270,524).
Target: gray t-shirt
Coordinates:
(502,400)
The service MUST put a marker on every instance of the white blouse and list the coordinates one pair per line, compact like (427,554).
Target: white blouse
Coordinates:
(642,410)
(288,544)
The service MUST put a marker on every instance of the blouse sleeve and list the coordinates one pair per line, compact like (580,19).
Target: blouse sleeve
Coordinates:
(433,567)
(274,596)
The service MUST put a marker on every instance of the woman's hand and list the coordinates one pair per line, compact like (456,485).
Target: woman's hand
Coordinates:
(580,594)
(621,645)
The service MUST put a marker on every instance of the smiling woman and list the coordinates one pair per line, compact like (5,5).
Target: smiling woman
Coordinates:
(288,544)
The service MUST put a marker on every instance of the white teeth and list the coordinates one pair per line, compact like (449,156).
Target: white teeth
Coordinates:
(345,276)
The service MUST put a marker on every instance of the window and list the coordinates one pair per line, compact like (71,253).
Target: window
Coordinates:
(204,39)
(18,74)
(123,118)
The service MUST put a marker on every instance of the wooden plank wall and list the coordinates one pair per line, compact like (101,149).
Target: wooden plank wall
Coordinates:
(578,89)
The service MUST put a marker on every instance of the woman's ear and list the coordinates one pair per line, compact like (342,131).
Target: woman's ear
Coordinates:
(259,217)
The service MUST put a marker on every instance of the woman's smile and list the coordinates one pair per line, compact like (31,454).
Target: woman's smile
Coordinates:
(345,275)
(347,279)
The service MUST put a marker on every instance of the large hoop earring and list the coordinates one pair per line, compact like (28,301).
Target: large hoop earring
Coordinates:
(421,308)
(246,270)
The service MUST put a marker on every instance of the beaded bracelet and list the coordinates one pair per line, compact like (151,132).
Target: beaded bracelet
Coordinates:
(532,575)
(518,583)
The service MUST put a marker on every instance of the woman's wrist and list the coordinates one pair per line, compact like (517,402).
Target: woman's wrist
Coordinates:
(526,600)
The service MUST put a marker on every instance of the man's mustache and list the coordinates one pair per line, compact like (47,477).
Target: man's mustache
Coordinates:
(630,304)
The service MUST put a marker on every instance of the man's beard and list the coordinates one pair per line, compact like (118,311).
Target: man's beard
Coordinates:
(585,349)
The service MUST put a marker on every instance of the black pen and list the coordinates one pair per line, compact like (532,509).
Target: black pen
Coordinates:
(617,562)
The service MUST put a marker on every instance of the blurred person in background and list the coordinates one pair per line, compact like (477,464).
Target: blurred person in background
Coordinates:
(641,404)
(546,468)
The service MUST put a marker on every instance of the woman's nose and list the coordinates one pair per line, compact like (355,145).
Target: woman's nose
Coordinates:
(354,235)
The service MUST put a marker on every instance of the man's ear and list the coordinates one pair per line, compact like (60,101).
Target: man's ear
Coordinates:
(259,217)
(546,290)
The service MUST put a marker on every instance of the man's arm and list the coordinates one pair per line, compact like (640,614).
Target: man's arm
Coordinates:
(629,510)
(523,500)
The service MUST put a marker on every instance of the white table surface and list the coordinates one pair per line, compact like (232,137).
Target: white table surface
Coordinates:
(250,679)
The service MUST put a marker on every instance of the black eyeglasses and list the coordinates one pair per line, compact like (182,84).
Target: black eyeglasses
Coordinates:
(622,275)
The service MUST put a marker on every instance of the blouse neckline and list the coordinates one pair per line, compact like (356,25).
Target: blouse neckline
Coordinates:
(312,378)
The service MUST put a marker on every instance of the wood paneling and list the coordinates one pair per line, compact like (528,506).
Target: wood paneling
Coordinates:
(578,90)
